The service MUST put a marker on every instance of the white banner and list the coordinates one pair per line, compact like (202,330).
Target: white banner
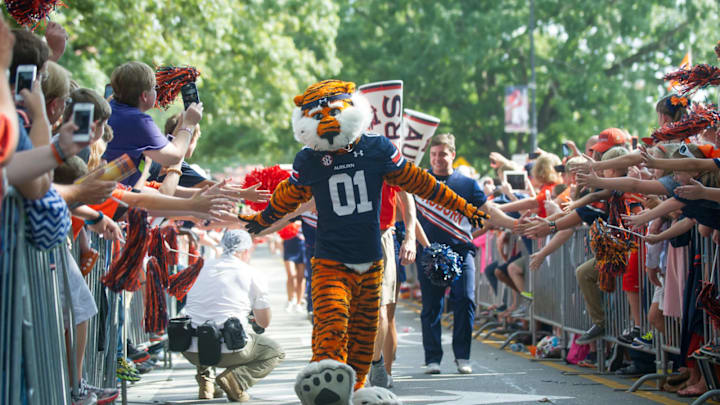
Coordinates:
(418,128)
(517,117)
(386,100)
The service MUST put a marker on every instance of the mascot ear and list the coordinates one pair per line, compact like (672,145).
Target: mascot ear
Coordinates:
(299,100)
(350,87)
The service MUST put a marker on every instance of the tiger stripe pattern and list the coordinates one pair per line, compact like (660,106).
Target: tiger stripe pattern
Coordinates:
(285,199)
(345,314)
(417,181)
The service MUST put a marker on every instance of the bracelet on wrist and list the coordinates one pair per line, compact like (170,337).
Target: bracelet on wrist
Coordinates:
(173,170)
(553,227)
(189,130)
(57,152)
(96,220)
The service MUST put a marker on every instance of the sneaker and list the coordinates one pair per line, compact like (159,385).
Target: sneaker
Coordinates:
(390,381)
(527,295)
(629,335)
(289,307)
(463,366)
(103,395)
(711,350)
(299,308)
(433,368)
(644,341)
(594,333)
(125,371)
(144,367)
(378,374)
(83,397)
(154,337)
(135,354)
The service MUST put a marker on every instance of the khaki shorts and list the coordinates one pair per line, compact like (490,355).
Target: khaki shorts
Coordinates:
(390,273)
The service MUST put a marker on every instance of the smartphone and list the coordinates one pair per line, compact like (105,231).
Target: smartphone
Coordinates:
(108,91)
(516,179)
(565,150)
(634,142)
(82,117)
(24,78)
(190,94)
(534,155)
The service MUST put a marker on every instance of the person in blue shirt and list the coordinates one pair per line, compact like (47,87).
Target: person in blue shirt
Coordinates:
(446,227)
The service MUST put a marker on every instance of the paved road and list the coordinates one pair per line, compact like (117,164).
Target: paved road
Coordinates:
(499,377)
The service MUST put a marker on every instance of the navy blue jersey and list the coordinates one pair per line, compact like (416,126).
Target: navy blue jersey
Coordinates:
(443,225)
(346,187)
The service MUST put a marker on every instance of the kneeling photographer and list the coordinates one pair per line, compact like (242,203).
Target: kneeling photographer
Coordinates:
(216,332)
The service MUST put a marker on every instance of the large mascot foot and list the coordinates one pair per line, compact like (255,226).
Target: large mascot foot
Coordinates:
(326,382)
(374,396)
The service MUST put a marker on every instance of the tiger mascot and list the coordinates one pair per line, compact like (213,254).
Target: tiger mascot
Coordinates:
(344,168)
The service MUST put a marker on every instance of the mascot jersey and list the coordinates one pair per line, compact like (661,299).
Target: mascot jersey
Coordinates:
(447,226)
(347,189)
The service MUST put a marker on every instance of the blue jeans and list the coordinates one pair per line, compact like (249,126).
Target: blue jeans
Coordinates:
(462,297)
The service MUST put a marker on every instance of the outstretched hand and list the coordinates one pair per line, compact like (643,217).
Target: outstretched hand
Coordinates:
(475,215)
(254,222)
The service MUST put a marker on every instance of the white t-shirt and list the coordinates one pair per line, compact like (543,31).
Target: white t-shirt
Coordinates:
(225,287)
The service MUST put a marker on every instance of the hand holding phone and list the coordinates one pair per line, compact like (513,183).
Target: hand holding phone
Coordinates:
(82,117)
(190,94)
(516,179)
(24,78)
(565,150)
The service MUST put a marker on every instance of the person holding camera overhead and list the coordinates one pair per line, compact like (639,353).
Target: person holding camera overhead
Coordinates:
(135,132)
(222,297)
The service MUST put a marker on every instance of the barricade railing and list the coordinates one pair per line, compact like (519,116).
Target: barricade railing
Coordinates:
(558,301)
(101,349)
(33,343)
(710,273)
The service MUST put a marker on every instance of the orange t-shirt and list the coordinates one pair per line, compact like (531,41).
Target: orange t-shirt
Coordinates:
(110,206)
(545,192)
(387,206)
(709,151)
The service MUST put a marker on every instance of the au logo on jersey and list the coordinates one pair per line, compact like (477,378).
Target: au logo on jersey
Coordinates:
(327,160)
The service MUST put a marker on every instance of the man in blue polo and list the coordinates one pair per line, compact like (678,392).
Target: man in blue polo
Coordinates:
(442,226)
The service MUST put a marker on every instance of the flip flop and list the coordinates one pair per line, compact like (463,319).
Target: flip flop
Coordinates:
(87,261)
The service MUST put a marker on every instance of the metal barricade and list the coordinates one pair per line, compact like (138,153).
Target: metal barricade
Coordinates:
(32,322)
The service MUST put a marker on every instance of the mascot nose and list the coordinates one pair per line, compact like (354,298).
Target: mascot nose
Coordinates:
(328,129)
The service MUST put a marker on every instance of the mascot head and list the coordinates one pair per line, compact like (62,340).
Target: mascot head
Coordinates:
(330,115)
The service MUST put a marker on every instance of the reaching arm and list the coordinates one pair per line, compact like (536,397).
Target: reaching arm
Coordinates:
(676,229)
(697,191)
(664,208)
(286,198)
(519,205)
(620,162)
(175,151)
(557,240)
(626,184)
(588,199)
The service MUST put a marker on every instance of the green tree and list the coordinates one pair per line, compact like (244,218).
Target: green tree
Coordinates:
(599,63)
(254,57)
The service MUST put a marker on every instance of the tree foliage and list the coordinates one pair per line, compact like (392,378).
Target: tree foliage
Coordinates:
(599,64)
(254,57)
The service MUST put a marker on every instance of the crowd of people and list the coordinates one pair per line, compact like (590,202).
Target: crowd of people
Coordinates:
(664,192)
